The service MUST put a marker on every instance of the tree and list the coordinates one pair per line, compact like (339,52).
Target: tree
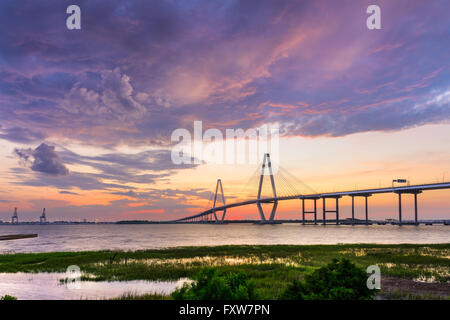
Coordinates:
(339,280)
(210,285)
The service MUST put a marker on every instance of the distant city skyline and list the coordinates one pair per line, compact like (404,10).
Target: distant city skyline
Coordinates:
(87,115)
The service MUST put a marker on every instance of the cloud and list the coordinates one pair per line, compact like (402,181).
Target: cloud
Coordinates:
(114,98)
(21,135)
(113,171)
(83,181)
(69,192)
(175,194)
(137,71)
(385,115)
(143,167)
(43,159)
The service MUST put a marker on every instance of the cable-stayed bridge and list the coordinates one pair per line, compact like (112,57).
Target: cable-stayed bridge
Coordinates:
(212,214)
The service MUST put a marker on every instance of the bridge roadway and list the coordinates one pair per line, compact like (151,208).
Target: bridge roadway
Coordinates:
(414,189)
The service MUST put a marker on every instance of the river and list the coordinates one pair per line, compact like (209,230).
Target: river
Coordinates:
(151,236)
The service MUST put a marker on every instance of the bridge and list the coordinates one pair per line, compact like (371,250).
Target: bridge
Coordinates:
(219,206)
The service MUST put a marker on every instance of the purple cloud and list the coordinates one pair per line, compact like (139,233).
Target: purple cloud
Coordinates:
(43,159)
(145,168)
(137,71)
(21,135)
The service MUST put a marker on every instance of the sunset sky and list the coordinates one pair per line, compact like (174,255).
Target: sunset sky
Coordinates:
(86,116)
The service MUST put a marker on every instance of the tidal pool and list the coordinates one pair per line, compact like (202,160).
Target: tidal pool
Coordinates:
(47,286)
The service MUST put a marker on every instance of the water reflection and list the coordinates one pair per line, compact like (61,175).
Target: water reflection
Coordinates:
(47,286)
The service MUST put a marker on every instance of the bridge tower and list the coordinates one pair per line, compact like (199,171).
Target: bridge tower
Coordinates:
(42,218)
(261,179)
(219,184)
(15,217)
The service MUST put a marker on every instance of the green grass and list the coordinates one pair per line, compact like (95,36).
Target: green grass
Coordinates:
(270,266)
(146,296)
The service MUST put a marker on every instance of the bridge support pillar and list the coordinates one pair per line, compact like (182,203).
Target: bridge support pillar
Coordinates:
(415,209)
(272,213)
(309,212)
(414,193)
(353,210)
(274,210)
(367,210)
(337,210)
(325,211)
(261,212)
(324,222)
(303,211)
(366,203)
(315,211)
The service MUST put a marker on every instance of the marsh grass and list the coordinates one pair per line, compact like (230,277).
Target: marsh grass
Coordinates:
(146,296)
(271,267)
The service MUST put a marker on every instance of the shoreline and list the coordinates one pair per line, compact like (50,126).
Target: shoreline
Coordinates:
(344,221)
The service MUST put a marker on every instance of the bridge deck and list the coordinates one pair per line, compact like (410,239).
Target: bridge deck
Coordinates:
(404,189)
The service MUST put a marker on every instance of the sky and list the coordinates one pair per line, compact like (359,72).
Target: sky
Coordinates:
(86,116)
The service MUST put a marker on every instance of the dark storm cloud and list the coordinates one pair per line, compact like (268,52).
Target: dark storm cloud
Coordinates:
(43,159)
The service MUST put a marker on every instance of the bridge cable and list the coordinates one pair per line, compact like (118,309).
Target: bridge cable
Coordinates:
(311,190)
(292,191)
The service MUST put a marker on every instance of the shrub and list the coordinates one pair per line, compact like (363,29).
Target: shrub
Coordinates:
(210,285)
(339,280)
(7,297)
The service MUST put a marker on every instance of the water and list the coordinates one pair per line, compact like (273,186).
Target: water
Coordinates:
(151,236)
(46,286)
(135,237)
